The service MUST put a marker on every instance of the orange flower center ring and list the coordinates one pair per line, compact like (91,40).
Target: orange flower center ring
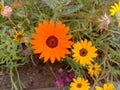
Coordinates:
(79,85)
(83,52)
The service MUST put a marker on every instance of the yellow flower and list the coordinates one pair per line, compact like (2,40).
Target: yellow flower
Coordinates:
(118,23)
(84,52)
(115,10)
(107,86)
(19,36)
(93,69)
(1,7)
(98,88)
(79,84)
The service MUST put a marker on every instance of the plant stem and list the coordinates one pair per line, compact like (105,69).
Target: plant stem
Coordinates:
(12,22)
(19,81)
(11,78)
(51,69)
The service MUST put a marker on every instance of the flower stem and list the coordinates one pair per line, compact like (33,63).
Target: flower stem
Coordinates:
(11,78)
(19,81)
(51,69)
(12,22)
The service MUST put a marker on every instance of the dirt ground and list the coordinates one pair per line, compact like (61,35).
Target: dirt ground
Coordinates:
(37,76)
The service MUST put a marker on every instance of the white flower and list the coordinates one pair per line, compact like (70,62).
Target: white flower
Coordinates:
(104,21)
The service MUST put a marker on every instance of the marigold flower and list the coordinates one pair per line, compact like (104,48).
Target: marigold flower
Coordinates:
(51,40)
(79,84)
(84,52)
(19,36)
(7,11)
(93,69)
(107,86)
(1,7)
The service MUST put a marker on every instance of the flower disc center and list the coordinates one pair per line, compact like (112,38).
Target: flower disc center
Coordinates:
(93,68)
(20,36)
(52,41)
(79,85)
(83,52)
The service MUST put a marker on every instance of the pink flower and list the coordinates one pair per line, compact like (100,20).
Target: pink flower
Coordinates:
(60,70)
(7,11)
(26,51)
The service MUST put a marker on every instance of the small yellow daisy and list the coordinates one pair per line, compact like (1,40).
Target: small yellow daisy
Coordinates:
(1,7)
(107,86)
(98,88)
(84,52)
(79,84)
(115,10)
(19,36)
(93,69)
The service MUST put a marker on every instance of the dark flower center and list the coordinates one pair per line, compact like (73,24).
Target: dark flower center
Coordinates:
(52,41)
(93,68)
(79,85)
(83,52)
(20,36)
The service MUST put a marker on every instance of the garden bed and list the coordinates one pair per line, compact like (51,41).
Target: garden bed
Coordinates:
(35,76)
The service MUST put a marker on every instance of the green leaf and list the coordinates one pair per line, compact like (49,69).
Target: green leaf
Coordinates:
(52,3)
(71,9)
(2,46)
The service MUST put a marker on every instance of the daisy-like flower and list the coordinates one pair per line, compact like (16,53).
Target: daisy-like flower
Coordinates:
(79,84)
(1,7)
(104,21)
(107,86)
(7,11)
(84,52)
(115,10)
(93,69)
(19,36)
(51,40)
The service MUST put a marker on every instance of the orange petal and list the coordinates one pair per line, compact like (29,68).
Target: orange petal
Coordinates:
(59,28)
(52,58)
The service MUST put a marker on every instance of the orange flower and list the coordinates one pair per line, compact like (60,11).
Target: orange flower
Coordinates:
(51,40)
(19,3)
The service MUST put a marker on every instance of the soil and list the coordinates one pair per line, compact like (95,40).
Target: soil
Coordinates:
(40,75)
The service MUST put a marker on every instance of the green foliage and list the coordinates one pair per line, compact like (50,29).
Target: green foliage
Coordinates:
(80,15)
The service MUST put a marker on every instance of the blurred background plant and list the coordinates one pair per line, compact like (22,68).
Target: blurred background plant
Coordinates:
(88,19)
